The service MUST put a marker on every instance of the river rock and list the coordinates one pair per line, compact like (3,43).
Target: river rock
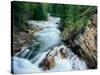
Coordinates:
(62,56)
(20,40)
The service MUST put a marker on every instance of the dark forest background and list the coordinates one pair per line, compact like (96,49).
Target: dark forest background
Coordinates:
(72,16)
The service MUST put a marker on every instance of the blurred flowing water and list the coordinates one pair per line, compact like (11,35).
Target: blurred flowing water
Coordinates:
(27,61)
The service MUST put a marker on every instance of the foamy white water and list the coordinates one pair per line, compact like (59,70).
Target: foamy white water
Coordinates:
(23,66)
(52,22)
(48,37)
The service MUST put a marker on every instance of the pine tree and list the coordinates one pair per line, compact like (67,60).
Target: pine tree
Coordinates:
(39,12)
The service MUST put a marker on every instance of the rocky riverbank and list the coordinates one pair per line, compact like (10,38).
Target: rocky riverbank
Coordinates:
(55,54)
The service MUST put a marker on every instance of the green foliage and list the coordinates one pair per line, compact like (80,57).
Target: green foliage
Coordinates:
(23,11)
(71,15)
(40,12)
(55,9)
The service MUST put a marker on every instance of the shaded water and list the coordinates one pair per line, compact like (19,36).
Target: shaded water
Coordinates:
(47,38)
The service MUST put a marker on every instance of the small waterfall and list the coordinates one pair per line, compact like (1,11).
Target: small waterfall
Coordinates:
(47,38)
(23,66)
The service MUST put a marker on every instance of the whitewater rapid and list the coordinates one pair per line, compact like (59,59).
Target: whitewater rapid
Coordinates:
(48,37)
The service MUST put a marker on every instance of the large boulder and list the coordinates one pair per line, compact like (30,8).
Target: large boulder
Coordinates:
(85,43)
(61,58)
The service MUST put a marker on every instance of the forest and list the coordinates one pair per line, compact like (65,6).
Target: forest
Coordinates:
(71,15)
(40,27)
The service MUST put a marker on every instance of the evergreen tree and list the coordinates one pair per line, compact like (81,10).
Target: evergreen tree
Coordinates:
(40,12)
(71,15)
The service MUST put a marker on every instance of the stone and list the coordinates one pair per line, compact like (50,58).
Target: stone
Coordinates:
(87,43)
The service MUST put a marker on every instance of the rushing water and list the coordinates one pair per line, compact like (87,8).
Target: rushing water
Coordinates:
(47,38)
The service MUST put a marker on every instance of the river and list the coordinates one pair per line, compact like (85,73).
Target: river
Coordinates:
(47,38)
